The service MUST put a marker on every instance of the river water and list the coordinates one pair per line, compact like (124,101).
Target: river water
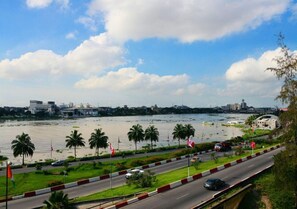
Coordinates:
(45,134)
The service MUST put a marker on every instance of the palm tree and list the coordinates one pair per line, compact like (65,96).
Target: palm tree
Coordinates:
(151,133)
(75,140)
(23,146)
(179,132)
(98,140)
(57,200)
(189,130)
(136,134)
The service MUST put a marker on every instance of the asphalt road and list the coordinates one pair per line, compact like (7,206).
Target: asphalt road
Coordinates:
(91,188)
(191,194)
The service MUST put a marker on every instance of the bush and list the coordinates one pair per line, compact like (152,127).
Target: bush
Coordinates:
(46,172)
(38,167)
(120,166)
(153,159)
(54,183)
(146,180)
(106,171)
(136,163)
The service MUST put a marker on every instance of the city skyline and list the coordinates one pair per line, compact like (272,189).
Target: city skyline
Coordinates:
(142,53)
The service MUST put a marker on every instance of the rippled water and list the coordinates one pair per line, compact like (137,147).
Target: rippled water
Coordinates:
(43,133)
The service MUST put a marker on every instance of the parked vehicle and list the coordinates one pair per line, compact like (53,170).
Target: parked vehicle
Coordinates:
(135,172)
(222,147)
(214,184)
(196,159)
(58,163)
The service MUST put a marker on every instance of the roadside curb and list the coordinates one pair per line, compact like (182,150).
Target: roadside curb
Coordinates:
(187,180)
(93,179)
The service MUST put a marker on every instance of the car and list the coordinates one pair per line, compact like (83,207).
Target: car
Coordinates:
(222,147)
(196,159)
(135,172)
(58,163)
(214,184)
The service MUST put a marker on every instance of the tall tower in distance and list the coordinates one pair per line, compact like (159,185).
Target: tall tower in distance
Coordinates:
(243,105)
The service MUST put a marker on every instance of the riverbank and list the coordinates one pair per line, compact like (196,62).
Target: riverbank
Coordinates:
(52,133)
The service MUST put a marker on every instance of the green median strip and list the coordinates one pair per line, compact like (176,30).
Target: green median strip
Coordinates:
(162,179)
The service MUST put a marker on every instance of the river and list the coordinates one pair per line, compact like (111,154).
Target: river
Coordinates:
(53,132)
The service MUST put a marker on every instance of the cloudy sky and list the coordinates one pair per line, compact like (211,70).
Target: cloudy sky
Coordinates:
(198,53)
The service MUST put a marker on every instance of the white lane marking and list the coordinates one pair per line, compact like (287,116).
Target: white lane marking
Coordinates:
(251,165)
(182,196)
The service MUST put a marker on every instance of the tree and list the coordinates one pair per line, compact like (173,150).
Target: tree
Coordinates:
(189,130)
(285,163)
(98,140)
(179,133)
(75,140)
(136,134)
(22,146)
(151,133)
(57,200)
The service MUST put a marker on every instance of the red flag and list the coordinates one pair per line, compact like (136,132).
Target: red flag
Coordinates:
(190,143)
(253,145)
(112,151)
(9,175)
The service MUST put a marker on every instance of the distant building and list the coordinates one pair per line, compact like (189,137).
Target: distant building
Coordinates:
(269,122)
(243,105)
(38,106)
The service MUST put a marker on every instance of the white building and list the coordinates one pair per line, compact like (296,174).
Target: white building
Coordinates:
(38,106)
(269,122)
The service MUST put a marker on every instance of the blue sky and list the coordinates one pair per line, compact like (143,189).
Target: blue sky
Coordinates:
(142,52)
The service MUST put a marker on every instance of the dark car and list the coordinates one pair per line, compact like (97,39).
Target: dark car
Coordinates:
(58,163)
(214,184)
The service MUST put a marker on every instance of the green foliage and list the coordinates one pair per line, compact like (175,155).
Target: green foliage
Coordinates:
(151,133)
(214,157)
(239,150)
(136,163)
(120,166)
(250,119)
(196,164)
(2,158)
(136,134)
(204,146)
(147,179)
(57,200)
(266,185)
(38,167)
(98,140)
(22,146)
(75,140)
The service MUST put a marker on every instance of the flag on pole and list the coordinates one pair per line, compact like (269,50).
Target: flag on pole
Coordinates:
(253,145)
(190,143)
(112,151)
(9,175)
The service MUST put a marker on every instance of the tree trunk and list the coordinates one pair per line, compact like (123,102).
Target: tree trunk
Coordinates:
(23,163)
(135,146)
(74,152)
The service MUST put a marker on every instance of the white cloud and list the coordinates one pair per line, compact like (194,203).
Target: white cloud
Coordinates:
(185,20)
(253,70)
(134,87)
(71,35)
(92,56)
(131,79)
(88,23)
(40,4)
(249,77)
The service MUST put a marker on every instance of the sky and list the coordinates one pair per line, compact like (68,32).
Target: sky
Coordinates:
(198,53)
